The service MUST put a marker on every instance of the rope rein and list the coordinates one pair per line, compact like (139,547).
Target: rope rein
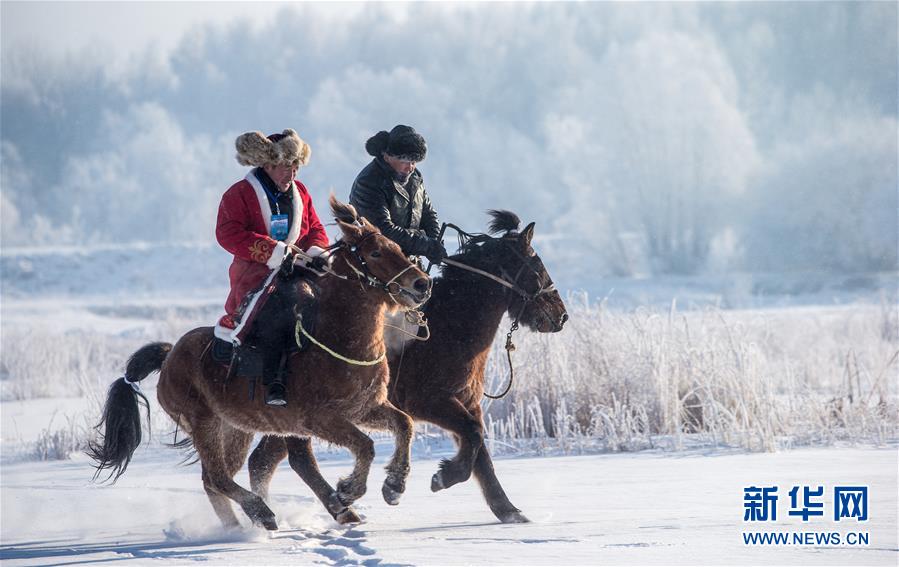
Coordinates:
(510,346)
(391,287)
(413,317)
(300,329)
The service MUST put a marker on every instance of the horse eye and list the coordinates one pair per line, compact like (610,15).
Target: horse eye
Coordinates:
(375,254)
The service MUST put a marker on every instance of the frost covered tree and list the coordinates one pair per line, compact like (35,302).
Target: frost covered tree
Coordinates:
(828,201)
(664,147)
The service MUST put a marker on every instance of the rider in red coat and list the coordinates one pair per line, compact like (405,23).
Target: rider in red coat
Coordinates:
(260,215)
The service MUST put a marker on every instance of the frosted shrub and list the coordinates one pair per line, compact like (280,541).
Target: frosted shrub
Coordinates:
(611,381)
(38,363)
(56,442)
(59,444)
(761,379)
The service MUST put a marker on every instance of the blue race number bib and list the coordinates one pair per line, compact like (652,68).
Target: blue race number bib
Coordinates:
(279,227)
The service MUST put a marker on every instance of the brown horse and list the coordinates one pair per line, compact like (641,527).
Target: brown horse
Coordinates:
(442,380)
(331,395)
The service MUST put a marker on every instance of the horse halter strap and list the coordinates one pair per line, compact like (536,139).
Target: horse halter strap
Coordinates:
(391,286)
(513,286)
(364,275)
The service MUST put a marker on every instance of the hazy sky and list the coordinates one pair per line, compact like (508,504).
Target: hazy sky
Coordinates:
(641,137)
(124,27)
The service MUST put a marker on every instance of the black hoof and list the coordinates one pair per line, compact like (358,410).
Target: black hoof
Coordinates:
(514,517)
(391,496)
(261,515)
(341,511)
(268,523)
(437,482)
(348,516)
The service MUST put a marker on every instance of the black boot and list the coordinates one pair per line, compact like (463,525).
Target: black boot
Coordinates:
(276,392)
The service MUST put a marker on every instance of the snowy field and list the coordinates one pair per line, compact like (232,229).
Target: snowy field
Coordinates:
(642,508)
(714,191)
(628,438)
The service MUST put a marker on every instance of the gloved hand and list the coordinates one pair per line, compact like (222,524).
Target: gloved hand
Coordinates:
(319,261)
(435,251)
(286,269)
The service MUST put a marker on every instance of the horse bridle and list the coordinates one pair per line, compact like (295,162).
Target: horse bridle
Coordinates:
(364,275)
(504,280)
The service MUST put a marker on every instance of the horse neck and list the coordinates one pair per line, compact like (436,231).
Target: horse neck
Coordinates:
(348,310)
(471,308)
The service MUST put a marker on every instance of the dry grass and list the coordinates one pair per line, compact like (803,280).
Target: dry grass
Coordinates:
(754,379)
(611,381)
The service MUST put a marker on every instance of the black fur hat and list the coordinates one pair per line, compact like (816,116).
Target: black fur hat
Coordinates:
(403,142)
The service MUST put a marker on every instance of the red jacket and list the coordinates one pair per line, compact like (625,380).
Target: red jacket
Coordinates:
(244,220)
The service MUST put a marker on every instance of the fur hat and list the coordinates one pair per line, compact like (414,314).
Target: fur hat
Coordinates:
(403,142)
(278,149)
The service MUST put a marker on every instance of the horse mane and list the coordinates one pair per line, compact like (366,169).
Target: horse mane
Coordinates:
(476,247)
(503,221)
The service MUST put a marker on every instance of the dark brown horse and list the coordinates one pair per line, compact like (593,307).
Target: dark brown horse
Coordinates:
(442,380)
(330,394)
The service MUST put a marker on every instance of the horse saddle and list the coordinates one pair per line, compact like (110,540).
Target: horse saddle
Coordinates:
(248,358)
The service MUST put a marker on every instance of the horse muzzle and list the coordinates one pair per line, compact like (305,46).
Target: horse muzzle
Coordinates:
(413,296)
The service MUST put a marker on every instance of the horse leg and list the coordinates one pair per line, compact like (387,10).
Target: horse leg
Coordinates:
(493,492)
(340,431)
(303,462)
(272,450)
(469,435)
(221,504)
(235,445)
(218,480)
(386,416)
(263,461)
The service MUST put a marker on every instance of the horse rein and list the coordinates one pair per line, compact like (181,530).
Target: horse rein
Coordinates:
(364,277)
(511,285)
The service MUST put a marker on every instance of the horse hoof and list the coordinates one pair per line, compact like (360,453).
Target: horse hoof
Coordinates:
(347,516)
(391,496)
(340,510)
(437,482)
(514,517)
(268,523)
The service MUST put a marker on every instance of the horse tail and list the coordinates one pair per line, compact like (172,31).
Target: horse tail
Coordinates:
(121,415)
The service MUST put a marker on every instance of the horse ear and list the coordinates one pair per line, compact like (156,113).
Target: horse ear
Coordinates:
(351,232)
(346,217)
(363,222)
(527,234)
(343,212)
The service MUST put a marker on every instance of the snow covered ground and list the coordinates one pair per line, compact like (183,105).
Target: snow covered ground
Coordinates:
(826,368)
(641,508)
